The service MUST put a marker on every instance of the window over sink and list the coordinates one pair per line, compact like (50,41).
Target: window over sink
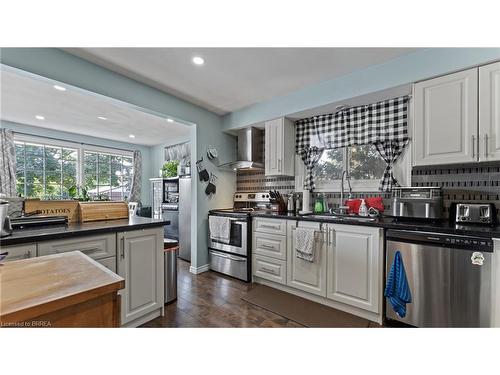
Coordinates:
(363,163)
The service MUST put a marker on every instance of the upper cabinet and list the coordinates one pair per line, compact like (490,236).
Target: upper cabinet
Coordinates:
(457,117)
(489,112)
(445,110)
(279,147)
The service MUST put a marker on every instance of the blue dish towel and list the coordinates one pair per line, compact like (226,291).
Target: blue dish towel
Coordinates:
(397,289)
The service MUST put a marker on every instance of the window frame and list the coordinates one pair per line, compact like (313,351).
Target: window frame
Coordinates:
(80,148)
(335,185)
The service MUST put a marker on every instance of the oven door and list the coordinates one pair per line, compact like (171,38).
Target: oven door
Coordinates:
(237,239)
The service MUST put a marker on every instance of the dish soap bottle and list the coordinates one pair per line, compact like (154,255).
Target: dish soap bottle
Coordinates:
(363,209)
(318,205)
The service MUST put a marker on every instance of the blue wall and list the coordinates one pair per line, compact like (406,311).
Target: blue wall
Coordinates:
(405,69)
(79,138)
(66,68)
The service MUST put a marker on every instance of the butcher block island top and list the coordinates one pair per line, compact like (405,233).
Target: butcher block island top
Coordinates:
(61,290)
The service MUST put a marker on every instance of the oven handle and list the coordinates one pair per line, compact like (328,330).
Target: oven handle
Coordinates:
(227,256)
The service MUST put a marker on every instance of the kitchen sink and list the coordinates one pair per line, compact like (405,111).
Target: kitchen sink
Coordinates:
(342,218)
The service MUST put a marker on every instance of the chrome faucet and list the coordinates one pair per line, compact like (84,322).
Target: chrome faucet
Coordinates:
(344,210)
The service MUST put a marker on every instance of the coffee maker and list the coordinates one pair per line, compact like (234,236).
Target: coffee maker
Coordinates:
(5,226)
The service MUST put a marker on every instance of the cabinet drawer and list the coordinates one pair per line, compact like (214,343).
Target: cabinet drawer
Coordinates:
(271,245)
(273,226)
(18,252)
(96,247)
(270,269)
(109,263)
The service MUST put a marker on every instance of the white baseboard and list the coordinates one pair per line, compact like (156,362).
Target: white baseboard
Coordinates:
(201,269)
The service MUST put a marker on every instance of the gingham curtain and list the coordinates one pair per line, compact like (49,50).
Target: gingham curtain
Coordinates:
(310,156)
(383,123)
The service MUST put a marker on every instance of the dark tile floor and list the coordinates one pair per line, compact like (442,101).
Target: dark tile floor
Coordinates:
(214,300)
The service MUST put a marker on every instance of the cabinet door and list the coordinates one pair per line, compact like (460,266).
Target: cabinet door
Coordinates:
(301,274)
(18,252)
(445,114)
(140,263)
(355,266)
(489,112)
(273,147)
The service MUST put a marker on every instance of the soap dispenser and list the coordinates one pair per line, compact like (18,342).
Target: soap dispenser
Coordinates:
(363,209)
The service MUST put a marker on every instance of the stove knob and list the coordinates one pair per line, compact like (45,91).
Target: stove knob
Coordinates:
(263,195)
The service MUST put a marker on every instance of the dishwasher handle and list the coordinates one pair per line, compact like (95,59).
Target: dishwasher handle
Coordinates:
(484,244)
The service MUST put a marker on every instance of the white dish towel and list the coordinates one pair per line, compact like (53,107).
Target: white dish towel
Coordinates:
(220,228)
(305,243)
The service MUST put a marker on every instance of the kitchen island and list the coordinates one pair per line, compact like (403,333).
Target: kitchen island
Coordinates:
(61,290)
(131,248)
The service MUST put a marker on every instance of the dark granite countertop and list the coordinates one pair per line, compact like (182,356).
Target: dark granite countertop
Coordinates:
(390,223)
(52,232)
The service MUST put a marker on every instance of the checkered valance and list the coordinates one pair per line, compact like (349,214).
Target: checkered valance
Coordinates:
(384,124)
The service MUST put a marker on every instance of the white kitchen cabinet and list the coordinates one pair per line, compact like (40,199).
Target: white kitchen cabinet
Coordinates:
(489,112)
(446,119)
(279,147)
(269,245)
(355,266)
(18,252)
(271,226)
(140,263)
(269,268)
(302,274)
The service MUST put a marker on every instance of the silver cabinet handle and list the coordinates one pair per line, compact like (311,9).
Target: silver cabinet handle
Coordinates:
(473,146)
(267,246)
(270,226)
(279,165)
(268,270)
(486,145)
(122,247)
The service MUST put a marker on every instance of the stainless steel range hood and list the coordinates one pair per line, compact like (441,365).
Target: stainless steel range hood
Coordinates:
(250,150)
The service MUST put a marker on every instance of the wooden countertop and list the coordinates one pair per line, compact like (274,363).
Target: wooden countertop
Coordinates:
(33,287)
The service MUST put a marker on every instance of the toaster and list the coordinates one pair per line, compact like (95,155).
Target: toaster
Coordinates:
(475,213)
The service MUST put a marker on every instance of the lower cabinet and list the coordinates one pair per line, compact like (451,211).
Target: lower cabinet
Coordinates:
(270,268)
(355,260)
(18,252)
(140,263)
(304,275)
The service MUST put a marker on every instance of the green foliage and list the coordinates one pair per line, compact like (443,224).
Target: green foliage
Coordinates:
(169,169)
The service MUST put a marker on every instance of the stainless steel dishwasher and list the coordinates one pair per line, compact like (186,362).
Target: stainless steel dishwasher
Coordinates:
(452,278)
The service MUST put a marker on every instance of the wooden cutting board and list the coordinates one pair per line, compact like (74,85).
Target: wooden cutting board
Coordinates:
(95,211)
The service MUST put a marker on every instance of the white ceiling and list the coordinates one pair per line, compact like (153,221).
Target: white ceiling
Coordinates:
(234,78)
(22,97)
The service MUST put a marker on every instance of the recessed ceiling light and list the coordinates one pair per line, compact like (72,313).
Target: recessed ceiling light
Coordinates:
(39,117)
(197,60)
(60,88)
(102,118)
(170,120)
(131,136)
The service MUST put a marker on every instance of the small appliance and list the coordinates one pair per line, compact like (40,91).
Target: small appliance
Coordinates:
(474,213)
(417,202)
(6,227)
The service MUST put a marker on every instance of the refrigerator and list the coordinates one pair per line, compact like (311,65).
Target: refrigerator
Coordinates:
(185,218)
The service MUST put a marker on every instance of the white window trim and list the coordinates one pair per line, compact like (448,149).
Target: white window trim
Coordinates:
(80,147)
(358,186)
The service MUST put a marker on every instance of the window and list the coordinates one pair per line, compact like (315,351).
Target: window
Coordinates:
(45,171)
(364,164)
(107,176)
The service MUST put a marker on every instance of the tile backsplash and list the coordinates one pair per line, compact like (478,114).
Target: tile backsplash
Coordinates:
(258,181)
(478,183)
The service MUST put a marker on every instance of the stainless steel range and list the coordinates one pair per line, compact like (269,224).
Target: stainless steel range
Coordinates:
(233,257)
